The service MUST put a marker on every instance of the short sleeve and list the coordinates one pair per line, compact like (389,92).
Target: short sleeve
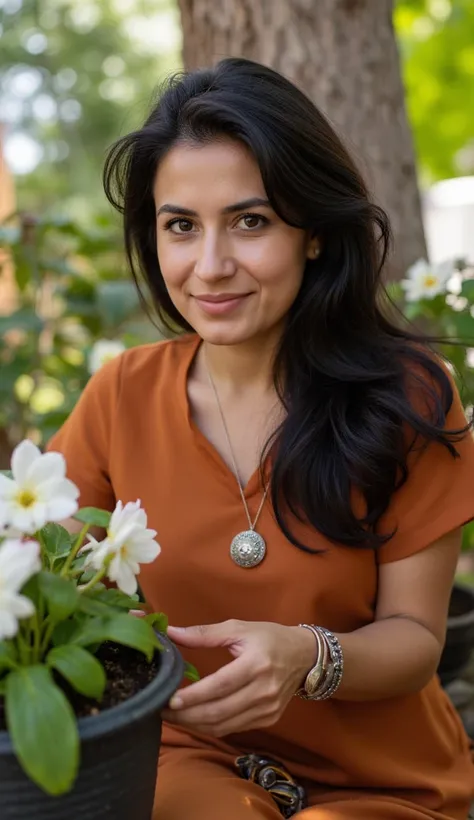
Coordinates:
(85,437)
(437,497)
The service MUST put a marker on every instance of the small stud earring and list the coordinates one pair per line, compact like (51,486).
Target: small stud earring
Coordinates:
(315,253)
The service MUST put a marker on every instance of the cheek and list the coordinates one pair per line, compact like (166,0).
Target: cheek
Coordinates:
(281,270)
(174,263)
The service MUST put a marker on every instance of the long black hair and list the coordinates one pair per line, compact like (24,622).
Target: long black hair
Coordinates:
(343,366)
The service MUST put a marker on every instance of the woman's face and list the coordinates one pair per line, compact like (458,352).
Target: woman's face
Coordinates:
(231,266)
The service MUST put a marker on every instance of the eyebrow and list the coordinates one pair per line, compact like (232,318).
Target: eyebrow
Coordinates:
(244,205)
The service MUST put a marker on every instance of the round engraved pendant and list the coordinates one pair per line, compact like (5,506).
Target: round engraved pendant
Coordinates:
(248,549)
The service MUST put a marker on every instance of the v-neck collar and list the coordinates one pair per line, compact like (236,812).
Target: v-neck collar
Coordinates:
(254,484)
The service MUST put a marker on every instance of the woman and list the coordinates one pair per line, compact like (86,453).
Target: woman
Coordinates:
(303,460)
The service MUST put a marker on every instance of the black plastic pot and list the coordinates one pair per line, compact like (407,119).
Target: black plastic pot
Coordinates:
(460,634)
(119,758)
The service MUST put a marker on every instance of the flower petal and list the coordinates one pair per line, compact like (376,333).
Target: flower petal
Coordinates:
(61,508)
(418,269)
(23,458)
(20,606)
(47,467)
(8,487)
(19,560)
(49,490)
(115,517)
(21,519)
(8,624)
(122,575)
(145,552)
(124,533)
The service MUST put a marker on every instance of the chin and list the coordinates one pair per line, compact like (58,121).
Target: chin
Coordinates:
(224,335)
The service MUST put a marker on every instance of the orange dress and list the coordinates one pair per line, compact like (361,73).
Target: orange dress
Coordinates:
(131,436)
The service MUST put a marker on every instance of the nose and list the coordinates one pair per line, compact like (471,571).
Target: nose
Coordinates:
(214,260)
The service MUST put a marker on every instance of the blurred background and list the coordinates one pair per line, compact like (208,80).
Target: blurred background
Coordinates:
(395,78)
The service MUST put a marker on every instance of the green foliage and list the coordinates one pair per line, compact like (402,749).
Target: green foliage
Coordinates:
(89,80)
(449,315)
(43,728)
(71,294)
(436,40)
(81,669)
(73,616)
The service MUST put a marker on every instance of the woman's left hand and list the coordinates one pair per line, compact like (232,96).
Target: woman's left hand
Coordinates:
(270,664)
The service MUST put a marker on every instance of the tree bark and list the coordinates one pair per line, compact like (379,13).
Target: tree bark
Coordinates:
(343,54)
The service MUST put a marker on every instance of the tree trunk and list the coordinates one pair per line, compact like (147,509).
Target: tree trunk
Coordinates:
(343,54)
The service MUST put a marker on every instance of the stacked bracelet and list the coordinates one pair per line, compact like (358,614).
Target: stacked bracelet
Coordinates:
(324,679)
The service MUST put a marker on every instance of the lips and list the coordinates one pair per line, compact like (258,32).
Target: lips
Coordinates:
(220,304)
(220,297)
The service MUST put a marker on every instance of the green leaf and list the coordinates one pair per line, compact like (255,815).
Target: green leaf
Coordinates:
(462,324)
(31,590)
(115,598)
(61,595)
(467,289)
(84,672)
(158,620)
(56,540)
(8,655)
(467,538)
(121,629)
(93,516)
(43,729)
(116,301)
(64,632)
(91,606)
(190,672)
(22,319)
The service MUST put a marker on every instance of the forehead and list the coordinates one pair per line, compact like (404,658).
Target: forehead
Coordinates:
(219,172)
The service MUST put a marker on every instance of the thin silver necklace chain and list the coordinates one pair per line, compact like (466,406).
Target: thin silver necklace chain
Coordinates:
(234,462)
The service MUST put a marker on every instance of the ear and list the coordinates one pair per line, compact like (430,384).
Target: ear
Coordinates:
(314,248)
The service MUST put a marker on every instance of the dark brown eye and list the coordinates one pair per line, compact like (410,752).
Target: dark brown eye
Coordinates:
(252,221)
(180,226)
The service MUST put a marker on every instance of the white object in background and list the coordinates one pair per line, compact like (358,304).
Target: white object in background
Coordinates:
(103,351)
(448,215)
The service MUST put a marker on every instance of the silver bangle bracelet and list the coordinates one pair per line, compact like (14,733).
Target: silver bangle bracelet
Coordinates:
(337,658)
(324,679)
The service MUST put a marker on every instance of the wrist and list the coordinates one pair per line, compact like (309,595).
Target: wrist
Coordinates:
(306,652)
(324,678)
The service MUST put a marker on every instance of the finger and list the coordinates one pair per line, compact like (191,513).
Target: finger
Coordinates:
(137,613)
(253,718)
(218,711)
(204,635)
(231,678)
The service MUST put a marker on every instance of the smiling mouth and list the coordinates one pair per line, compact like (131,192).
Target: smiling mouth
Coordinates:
(221,297)
(220,304)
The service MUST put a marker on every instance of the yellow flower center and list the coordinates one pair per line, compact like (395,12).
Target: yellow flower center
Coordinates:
(26,498)
(430,280)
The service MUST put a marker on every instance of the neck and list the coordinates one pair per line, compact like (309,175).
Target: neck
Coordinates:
(243,367)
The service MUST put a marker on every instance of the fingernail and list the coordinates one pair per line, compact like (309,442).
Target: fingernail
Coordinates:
(177,628)
(176,702)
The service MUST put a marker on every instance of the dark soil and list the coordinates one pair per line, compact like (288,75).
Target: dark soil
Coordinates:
(127,671)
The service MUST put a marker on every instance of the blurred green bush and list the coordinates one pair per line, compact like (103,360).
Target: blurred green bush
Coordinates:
(439,299)
(72,294)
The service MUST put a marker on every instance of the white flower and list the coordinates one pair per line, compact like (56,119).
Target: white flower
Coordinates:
(39,491)
(103,351)
(18,562)
(470,356)
(424,281)
(128,544)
